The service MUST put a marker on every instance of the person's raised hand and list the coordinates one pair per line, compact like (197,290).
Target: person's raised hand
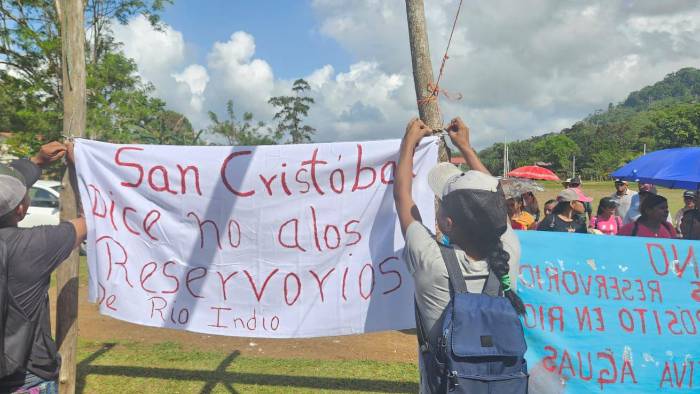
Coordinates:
(416,130)
(49,153)
(459,133)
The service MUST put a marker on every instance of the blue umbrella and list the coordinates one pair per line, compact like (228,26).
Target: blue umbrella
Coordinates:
(677,168)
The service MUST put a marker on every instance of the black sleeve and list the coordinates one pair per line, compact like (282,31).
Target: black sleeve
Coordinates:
(45,247)
(581,228)
(544,224)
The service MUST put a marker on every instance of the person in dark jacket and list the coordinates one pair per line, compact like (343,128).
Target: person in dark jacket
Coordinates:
(567,214)
(32,255)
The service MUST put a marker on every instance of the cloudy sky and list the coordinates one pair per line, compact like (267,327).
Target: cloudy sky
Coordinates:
(523,67)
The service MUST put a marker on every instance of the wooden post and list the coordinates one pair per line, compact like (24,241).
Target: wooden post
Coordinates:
(423,74)
(70,14)
(423,68)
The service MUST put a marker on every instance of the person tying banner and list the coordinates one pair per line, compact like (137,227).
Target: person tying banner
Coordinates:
(31,360)
(477,246)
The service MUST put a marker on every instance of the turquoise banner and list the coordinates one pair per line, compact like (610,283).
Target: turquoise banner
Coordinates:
(610,314)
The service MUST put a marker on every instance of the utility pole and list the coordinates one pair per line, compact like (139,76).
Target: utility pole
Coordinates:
(70,14)
(506,159)
(423,69)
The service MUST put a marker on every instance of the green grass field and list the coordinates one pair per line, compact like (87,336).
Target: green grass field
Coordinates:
(131,367)
(167,368)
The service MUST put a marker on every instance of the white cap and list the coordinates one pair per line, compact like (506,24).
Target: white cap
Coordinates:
(445,178)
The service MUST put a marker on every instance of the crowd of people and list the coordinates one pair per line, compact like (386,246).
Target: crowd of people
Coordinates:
(643,213)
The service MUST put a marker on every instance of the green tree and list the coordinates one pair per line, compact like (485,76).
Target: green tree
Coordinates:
(557,149)
(674,126)
(119,104)
(239,132)
(31,75)
(292,110)
(683,85)
(167,127)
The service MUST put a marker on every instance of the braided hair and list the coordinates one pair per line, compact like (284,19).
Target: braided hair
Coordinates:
(497,260)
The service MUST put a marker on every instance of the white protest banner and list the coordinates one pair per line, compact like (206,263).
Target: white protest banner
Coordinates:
(271,241)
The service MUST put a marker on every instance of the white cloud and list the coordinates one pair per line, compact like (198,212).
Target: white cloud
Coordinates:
(528,67)
(161,56)
(10,70)
(364,102)
(196,78)
(153,51)
(523,67)
(320,77)
(248,81)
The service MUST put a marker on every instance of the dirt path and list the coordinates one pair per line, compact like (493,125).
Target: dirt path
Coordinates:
(382,346)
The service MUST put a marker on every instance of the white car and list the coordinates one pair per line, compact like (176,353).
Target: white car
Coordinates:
(44,207)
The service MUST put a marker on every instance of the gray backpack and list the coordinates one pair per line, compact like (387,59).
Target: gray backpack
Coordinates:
(17,329)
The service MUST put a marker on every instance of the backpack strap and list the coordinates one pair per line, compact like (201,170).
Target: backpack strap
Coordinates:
(4,295)
(635,228)
(423,343)
(457,282)
(492,286)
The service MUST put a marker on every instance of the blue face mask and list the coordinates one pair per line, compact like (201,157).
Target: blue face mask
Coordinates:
(444,239)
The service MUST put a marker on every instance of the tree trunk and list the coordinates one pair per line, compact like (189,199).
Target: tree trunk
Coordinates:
(422,66)
(74,112)
(423,74)
(423,69)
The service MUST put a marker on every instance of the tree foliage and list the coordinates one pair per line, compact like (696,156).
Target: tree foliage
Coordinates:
(683,85)
(239,131)
(120,105)
(292,110)
(557,149)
